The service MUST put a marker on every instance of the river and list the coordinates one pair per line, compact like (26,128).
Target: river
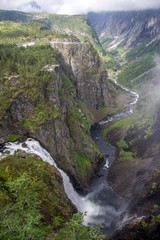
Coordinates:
(101,203)
(99,190)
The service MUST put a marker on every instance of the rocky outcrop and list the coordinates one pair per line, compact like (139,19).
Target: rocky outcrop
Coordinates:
(89,75)
(126,28)
(144,211)
(142,140)
(139,228)
(138,179)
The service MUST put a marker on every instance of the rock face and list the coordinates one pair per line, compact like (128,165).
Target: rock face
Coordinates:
(89,75)
(48,108)
(126,28)
(143,142)
(139,180)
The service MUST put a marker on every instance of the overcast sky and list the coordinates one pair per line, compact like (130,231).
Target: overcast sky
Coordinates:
(84,6)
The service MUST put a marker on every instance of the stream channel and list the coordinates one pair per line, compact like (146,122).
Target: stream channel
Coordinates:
(101,203)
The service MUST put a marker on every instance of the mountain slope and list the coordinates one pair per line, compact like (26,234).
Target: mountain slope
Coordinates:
(128,28)
(132,38)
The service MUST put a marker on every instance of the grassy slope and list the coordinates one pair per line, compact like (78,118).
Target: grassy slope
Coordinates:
(24,27)
(12,63)
(139,60)
(75,25)
(19,32)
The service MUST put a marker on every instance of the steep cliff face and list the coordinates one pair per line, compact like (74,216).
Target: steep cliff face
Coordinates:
(45,105)
(89,75)
(126,28)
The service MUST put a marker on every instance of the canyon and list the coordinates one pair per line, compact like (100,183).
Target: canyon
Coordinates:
(64,94)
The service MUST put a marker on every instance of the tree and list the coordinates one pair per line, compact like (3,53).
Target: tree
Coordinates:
(20,218)
(75,230)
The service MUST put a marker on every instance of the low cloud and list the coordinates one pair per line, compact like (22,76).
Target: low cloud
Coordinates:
(84,6)
(151,87)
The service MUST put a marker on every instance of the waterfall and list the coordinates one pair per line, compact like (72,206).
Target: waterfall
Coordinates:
(101,204)
(32,146)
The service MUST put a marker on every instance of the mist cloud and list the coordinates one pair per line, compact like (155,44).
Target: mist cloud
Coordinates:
(84,6)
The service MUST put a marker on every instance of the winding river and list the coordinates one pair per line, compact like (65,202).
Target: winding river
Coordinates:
(101,203)
(104,196)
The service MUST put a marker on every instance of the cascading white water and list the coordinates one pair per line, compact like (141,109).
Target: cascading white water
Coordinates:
(33,147)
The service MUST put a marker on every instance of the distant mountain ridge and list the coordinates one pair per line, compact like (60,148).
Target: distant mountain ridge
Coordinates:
(129,27)
(32,7)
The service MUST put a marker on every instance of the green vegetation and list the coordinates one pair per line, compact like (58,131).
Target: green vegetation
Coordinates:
(75,230)
(20,32)
(122,144)
(138,72)
(21,218)
(32,199)
(142,50)
(134,70)
(79,116)
(68,83)
(16,27)
(82,162)
(154,187)
(79,125)
(148,132)
(25,67)
(110,63)
(14,137)
(121,127)
(14,16)
(138,64)
(136,127)
(26,62)
(33,203)
(76,25)
(123,150)
(42,113)
(126,155)
(104,108)
(127,122)
(151,226)
(25,77)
